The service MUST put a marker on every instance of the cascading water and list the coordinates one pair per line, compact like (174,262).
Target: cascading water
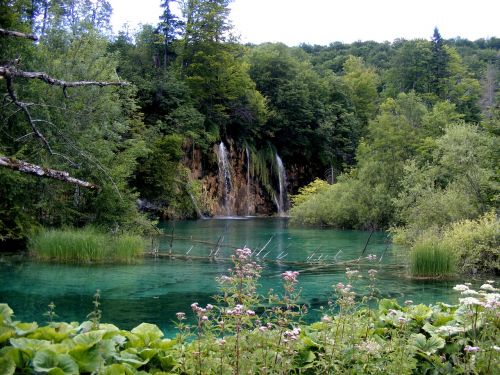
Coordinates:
(224,175)
(282,198)
(247,152)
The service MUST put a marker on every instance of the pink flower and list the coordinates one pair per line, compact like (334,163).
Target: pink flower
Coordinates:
(290,276)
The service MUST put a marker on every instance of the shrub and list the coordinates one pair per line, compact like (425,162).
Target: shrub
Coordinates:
(476,243)
(84,245)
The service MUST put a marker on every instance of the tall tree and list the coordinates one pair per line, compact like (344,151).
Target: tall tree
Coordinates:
(439,64)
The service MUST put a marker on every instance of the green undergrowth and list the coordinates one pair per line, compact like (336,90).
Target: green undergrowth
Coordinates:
(85,245)
(245,333)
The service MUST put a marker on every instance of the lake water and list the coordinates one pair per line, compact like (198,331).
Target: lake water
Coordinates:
(154,289)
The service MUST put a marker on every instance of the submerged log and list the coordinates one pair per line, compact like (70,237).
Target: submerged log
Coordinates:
(39,171)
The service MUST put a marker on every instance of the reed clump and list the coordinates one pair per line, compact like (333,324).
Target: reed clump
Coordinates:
(432,259)
(85,245)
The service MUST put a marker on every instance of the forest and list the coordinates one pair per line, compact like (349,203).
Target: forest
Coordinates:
(400,135)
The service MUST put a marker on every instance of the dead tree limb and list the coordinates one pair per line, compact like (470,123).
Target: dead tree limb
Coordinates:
(17,34)
(13,72)
(39,171)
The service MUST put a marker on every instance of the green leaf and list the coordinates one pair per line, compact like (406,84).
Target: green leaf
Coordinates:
(420,313)
(88,339)
(6,313)
(148,332)
(30,345)
(88,360)
(7,366)
(118,369)
(5,334)
(49,334)
(168,362)
(428,346)
(23,329)
(129,356)
(47,361)
(387,304)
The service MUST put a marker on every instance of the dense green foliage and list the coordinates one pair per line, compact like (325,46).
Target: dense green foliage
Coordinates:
(85,245)
(392,126)
(245,333)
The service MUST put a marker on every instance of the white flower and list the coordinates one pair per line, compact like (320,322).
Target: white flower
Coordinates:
(469,301)
(450,330)
(370,347)
(460,287)
(488,287)
(470,292)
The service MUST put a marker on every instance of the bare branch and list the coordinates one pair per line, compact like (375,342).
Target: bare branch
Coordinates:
(17,34)
(13,72)
(39,171)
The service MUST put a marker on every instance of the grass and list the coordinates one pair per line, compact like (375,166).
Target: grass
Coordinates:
(85,245)
(428,259)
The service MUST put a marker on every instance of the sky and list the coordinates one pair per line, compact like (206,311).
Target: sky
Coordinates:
(325,21)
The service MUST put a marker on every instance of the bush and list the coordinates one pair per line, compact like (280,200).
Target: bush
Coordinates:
(86,245)
(476,243)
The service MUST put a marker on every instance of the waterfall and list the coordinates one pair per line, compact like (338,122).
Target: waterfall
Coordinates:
(247,152)
(282,198)
(224,174)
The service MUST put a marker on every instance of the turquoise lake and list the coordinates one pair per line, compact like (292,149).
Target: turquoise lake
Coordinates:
(154,289)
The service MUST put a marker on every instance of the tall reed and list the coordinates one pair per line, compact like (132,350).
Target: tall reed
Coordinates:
(85,245)
(429,259)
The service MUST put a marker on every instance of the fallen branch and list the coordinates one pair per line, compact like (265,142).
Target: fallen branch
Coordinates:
(18,34)
(39,171)
(11,72)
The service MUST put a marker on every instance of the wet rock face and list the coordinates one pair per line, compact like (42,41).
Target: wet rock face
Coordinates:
(230,192)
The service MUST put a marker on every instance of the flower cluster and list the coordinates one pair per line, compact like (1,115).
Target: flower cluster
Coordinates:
(200,311)
(371,257)
(370,347)
(239,310)
(243,254)
(291,335)
(372,273)
(352,273)
(471,349)
(181,315)
(290,276)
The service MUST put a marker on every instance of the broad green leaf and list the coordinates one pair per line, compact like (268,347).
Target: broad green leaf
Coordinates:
(147,332)
(46,361)
(428,346)
(420,313)
(88,339)
(30,345)
(129,356)
(6,313)
(23,329)
(88,360)
(440,319)
(387,304)
(165,344)
(49,334)
(168,362)
(118,369)
(5,333)
(17,355)
(7,366)
(148,353)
